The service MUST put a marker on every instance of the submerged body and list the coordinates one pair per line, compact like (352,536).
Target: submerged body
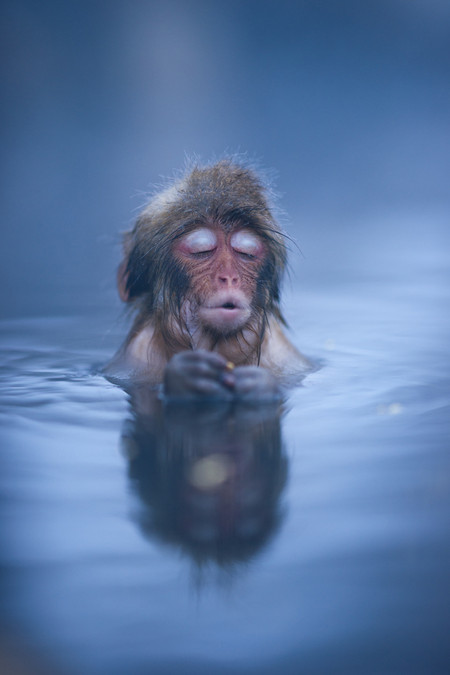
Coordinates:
(203,267)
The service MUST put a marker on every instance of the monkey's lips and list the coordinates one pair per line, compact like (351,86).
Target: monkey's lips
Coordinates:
(228,315)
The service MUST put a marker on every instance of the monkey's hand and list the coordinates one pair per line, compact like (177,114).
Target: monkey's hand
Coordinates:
(198,374)
(252,383)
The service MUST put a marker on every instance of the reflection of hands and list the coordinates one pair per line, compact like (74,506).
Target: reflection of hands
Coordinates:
(197,374)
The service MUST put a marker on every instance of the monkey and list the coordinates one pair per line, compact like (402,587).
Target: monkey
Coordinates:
(202,270)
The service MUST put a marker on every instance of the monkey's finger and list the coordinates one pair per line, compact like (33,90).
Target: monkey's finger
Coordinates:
(202,370)
(257,383)
(227,378)
(213,368)
(207,370)
(215,360)
(245,375)
(210,388)
(247,384)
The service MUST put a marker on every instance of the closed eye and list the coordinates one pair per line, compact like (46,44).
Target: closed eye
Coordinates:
(247,244)
(202,254)
(199,242)
(246,256)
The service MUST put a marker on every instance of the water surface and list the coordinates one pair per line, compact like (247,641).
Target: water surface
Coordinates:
(308,539)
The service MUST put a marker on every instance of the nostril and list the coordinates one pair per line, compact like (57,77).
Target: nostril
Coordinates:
(228,277)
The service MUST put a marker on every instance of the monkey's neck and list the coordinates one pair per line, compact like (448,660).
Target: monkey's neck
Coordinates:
(242,349)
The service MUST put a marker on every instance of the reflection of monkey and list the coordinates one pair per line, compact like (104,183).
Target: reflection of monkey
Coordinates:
(213,494)
(203,267)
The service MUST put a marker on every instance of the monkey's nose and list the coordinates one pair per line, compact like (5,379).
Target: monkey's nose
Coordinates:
(228,280)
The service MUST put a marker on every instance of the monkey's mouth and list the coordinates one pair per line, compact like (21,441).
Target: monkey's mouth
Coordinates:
(226,316)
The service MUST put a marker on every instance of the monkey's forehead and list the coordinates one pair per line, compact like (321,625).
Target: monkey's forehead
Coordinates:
(224,186)
(225,195)
(179,212)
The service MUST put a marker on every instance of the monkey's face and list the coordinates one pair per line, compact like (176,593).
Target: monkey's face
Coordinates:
(223,268)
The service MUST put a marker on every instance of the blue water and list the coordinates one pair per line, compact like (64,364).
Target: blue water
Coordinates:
(328,549)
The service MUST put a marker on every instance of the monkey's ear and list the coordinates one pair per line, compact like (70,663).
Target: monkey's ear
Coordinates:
(122,281)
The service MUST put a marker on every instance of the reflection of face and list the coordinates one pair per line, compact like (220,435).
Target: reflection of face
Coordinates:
(210,478)
(224,497)
(223,268)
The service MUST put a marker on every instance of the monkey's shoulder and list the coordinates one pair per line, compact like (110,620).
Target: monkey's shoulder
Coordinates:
(279,355)
(137,359)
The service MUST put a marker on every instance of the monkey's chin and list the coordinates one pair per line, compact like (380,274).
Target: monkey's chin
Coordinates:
(224,320)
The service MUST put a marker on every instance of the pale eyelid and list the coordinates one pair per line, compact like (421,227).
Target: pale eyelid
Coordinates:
(200,241)
(246,242)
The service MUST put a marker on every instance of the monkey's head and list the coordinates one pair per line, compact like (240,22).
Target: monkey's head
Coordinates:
(206,254)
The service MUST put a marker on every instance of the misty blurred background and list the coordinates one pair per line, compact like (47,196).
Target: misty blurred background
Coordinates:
(348,102)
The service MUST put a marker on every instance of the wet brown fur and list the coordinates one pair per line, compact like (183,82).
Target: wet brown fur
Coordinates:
(224,194)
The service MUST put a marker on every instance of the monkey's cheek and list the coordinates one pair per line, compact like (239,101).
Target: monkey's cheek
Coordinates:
(223,319)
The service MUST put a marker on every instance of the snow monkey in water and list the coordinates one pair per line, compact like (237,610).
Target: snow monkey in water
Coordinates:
(202,269)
